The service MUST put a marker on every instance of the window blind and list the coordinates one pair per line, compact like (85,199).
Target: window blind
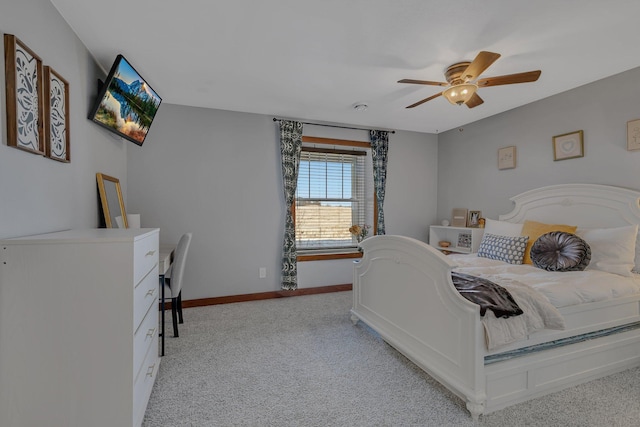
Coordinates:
(330,197)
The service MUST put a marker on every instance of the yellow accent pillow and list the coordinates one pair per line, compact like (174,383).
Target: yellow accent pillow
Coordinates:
(535,229)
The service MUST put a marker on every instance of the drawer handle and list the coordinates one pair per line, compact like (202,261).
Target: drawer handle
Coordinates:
(150,292)
(151,332)
(150,370)
(150,253)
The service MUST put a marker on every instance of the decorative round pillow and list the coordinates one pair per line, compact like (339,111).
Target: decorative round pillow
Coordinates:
(560,251)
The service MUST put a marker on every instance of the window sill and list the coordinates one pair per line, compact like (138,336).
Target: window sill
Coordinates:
(310,256)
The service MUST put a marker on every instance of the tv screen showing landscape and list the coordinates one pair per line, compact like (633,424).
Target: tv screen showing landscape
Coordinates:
(126,104)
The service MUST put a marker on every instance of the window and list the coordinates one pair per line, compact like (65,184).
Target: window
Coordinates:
(335,191)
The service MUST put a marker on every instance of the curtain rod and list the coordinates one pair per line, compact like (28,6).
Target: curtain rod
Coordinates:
(275,119)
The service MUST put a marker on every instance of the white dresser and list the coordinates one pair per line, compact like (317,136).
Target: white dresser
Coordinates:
(78,327)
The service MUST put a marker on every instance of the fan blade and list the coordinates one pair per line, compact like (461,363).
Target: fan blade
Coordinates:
(481,62)
(529,76)
(423,82)
(425,100)
(474,101)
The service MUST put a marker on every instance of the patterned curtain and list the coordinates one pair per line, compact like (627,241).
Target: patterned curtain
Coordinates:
(379,150)
(290,148)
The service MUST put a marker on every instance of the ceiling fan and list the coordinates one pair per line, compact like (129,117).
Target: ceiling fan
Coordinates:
(463,80)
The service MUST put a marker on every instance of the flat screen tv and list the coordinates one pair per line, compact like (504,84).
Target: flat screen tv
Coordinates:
(126,104)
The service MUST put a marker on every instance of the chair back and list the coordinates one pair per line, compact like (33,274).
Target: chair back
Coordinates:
(177,269)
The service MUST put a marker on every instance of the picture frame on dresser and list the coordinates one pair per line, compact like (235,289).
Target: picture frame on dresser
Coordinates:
(111,201)
(23,85)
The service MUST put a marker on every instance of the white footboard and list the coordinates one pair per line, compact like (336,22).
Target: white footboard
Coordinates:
(402,289)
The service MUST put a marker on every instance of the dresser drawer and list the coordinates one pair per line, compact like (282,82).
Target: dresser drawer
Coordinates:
(143,296)
(144,382)
(145,256)
(144,337)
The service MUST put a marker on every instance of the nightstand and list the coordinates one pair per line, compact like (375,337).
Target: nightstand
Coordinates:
(463,240)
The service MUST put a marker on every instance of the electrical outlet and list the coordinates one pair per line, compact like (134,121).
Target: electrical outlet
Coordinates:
(263,272)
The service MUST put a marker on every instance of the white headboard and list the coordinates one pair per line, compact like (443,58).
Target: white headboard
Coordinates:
(584,205)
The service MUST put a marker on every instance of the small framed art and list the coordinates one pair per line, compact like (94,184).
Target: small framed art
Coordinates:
(23,78)
(464,240)
(459,218)
(568,146)
(473,219)
(507,157)
(633,135)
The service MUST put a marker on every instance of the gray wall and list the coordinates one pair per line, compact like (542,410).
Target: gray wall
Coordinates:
(38,194)
(218,174)
(468,175)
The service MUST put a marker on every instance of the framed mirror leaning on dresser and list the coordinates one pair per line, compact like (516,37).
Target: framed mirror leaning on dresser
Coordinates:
(112,202)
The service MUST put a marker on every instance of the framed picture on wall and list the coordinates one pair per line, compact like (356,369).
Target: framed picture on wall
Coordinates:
(23,79)
(633,135)
(507,157)
(56,116)
(568,146)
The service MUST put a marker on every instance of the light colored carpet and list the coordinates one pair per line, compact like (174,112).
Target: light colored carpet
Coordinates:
(300,362)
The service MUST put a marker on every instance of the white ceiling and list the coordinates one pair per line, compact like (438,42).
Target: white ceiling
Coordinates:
(313,60)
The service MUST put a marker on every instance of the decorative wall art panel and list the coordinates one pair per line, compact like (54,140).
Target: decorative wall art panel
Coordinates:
(23,76)
(56,115)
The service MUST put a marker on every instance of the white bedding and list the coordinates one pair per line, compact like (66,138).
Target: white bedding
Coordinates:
(555,290)
(537,314)
(562,289)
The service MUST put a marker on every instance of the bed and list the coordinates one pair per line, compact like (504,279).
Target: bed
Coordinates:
(402,289)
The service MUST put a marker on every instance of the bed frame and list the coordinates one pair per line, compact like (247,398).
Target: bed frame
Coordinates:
(402,289)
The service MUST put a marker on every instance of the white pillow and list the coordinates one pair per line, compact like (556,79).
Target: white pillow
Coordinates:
(612,249)
(502,228)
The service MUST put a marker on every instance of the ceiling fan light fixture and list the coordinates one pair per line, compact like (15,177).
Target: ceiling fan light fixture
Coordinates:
(360,106)
(460,94)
